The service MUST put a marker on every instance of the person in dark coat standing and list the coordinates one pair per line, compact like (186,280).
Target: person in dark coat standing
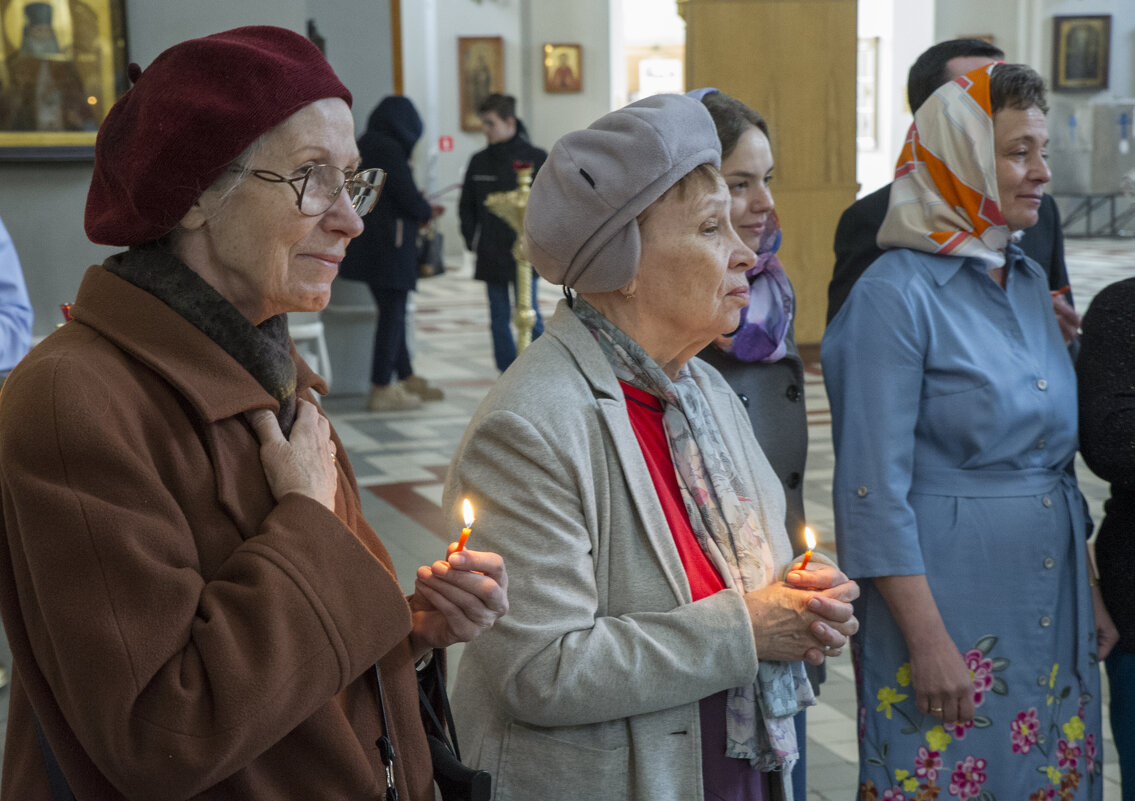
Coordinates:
(492,170)
(855,246)
(385,256)
(1105,373)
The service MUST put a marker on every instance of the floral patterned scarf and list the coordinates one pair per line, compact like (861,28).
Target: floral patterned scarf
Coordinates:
(944,199)
(759,723)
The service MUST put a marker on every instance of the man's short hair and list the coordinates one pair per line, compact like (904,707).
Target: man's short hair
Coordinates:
(929,70)
(504,106)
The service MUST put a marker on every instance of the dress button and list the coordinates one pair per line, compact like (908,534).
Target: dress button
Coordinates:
(1041,681)
(1040,443)
(1045,622)
(1041,384)
(793,480)
(792,393)
(1046,502)
(744,399)
(1049,562)
(861,492)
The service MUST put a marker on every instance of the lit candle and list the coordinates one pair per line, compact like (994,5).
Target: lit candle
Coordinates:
(467,512)
(809,538)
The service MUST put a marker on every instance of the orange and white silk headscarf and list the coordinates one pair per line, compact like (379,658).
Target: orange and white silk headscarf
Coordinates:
(944,199)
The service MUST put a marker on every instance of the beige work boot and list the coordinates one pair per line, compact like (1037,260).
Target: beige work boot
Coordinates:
(391,398)
(419,386)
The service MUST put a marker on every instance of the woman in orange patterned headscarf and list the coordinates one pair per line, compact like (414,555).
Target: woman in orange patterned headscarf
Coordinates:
(954,422)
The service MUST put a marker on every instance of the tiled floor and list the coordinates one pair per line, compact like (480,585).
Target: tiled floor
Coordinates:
(401,458)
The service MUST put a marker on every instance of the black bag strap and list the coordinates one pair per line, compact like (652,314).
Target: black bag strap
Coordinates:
(384,743)
(60,790)
(450,737)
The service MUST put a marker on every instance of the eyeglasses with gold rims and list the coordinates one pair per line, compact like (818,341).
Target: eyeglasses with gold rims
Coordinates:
(319,185)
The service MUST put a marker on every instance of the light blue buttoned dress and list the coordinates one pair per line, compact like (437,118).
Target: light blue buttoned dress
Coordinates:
(954,423)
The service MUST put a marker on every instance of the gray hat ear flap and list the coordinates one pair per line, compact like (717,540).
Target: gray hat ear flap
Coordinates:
(614,264)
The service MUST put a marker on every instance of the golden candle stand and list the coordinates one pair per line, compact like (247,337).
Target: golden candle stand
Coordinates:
(510,207)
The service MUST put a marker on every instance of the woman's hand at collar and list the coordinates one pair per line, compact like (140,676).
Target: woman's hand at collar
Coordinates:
(303,462)
(457,599)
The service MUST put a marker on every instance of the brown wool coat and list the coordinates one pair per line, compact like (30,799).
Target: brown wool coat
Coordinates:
(178,632)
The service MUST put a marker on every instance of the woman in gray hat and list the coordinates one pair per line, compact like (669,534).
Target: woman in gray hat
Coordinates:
(653,650)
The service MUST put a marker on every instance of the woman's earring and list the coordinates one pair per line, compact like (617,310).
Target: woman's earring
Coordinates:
(629,297)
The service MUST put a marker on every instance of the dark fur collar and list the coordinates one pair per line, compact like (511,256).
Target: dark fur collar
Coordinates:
(264,350)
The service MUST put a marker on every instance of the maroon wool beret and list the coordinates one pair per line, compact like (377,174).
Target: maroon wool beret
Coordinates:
(187,117)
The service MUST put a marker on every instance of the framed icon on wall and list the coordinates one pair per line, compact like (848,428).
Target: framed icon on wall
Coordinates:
(480,65)
(1081,53)
(563,68)
(62,66)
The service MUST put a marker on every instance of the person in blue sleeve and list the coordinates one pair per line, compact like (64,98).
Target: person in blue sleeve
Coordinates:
(15,307)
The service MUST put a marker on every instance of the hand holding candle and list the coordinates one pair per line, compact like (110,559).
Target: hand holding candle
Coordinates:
(467,512)
(809,538)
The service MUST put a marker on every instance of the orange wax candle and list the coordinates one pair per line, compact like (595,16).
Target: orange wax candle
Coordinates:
(809,538)
(467,512)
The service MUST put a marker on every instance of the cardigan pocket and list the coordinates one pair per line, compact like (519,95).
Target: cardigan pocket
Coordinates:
(536,765)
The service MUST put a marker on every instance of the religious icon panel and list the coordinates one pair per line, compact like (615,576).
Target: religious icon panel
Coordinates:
(62,66)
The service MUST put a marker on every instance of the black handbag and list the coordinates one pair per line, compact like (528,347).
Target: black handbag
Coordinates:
(457,782)
(431,251)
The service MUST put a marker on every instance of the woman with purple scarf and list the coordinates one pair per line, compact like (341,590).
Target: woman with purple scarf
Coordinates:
(759,360)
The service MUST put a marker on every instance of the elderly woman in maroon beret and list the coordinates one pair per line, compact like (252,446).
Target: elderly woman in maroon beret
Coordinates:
(195,604)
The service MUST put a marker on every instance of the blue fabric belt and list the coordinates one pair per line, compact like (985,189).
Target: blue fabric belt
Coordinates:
(988,483)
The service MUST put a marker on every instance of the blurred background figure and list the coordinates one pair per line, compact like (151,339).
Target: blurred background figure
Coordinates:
(954,426)
(491,238)
(15,308)
(385,256)
(1106,374)
(16,319)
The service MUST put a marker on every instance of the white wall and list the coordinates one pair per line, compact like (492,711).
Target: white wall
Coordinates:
(584,21)
(904,29)
(358,47)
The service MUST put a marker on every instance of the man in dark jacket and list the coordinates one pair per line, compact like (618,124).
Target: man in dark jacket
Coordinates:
(385,255)
(492,170)
(855,247)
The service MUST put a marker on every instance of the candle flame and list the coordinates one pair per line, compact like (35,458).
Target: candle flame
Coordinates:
(467,511)
(809,537)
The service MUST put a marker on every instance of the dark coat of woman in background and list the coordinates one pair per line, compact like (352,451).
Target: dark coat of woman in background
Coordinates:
(1105,374)
(385,255)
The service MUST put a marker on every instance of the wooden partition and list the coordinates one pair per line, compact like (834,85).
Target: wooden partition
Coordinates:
(794,62)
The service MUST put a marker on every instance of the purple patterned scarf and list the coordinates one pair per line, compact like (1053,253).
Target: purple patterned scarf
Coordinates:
(766,320)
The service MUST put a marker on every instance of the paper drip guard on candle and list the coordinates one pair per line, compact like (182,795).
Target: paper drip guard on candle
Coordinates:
(467,513)
(810,539)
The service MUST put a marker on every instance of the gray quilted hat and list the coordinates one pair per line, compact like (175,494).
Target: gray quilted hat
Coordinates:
(580,228)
